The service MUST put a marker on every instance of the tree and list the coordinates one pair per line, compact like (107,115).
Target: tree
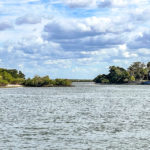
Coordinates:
(132,79)
(13,72)
(148,65)
(101,79)
(138,70)
(45,81)
(7,76)
(3,82)
(118,75)
(21,75)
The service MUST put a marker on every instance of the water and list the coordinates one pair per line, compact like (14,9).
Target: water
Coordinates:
(84,117)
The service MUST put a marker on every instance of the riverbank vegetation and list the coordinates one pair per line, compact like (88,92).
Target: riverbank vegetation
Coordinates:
(81,80)
(11,76)
(38,81)
(136,72)
(14,77)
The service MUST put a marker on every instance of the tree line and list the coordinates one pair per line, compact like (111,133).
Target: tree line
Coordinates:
(45,81)
(137,71)
(12,76)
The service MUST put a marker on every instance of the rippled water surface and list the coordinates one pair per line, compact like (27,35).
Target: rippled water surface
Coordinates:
(84,117)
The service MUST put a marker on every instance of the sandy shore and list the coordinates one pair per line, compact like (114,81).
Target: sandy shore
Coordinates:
(13,85)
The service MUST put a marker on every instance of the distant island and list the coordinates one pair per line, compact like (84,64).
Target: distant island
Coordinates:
(15,78)
(137,73)
(81,80)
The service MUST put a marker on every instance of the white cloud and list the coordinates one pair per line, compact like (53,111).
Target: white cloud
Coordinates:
(8,2)
(144,51)
(5,26)
(103,3)
(123,47)
(49,36)
(28,19)
(127,54)
(80,3)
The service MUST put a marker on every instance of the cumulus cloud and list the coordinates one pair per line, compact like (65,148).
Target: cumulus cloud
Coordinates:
(5,26)
(80,3)
(90,33)
(73,28)
(28,19)
(100,3)
(141,41)
(71,42)
(87,3)
(18,2)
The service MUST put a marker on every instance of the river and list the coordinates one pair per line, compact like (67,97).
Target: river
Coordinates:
(83,117)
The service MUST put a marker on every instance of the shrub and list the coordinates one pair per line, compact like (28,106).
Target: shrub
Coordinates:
(132,78)
(3,82)
(46,82)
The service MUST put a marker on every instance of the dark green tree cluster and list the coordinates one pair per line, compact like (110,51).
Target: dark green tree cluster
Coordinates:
(136,72)
(38,81)
(139,70)
(116,75)
(17,77)
(11,77)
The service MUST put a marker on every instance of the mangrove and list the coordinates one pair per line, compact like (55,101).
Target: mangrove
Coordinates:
(137,72)
(15,77)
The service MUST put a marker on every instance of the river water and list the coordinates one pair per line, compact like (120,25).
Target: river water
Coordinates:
(84,117)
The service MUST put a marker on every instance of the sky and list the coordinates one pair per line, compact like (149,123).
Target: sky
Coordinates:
(76,39)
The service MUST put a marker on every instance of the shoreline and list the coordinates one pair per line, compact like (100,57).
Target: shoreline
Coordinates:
(138,83)
(12,86)
(19,85)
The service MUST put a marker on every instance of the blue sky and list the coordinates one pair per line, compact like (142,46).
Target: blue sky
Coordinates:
(73,38)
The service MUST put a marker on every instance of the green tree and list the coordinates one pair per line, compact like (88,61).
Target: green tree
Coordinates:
(132,79)
(118,75)
(38,81)
(148,65)
(3,82)
(7,76)
(21,75)
(101,79)
(138,70)
(13,72)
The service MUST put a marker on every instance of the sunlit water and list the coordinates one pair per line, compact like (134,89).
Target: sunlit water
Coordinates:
(84,117)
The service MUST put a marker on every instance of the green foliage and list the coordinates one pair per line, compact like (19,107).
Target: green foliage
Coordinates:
(13,72)
(6,76)
(35,82)
(11,77)
(118,75)
(38,81)
(18,81)
(3,82)
(132,79)
(21,75)
(101,79)
(148,65)
(62,82)
(138,70)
